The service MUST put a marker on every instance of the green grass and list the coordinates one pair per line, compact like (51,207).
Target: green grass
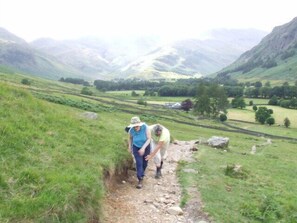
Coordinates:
(53,159)
(279,114)
(267,194)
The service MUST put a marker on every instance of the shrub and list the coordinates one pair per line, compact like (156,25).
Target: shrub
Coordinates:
(25,81)
(142,102)
(287,122)
(223,117)
(86,91)
(236,171)
(255,108)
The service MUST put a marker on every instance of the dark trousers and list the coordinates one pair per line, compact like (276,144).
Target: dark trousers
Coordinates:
(141,163)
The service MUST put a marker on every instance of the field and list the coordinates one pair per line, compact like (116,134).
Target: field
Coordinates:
(54,160)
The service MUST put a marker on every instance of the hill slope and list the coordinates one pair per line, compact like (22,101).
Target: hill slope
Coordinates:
(274,58)
(16,54)
(48,172)
(194,57)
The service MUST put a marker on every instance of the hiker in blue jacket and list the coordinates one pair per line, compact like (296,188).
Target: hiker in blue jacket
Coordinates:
(139,145)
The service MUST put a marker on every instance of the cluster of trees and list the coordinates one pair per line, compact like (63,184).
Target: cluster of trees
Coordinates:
(285,103)
(210,100)
(266,91)
(127,84)
(75,81)
(263,115)
(188,87)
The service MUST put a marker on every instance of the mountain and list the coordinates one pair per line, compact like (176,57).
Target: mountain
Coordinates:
(273,59)
(97,57)
(142,57)
(19,56)
(193,57)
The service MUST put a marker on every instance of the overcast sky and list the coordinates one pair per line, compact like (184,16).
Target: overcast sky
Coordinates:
(71,19)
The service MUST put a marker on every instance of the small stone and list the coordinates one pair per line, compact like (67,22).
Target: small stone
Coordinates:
(175,211)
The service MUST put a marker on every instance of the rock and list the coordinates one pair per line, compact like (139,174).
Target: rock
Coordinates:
(218,142)
(254,149)
(89,115)
(175,211)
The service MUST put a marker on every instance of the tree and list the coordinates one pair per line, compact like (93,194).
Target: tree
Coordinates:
(238,102)
(251,103)
(270,121)
(273,100)
(186,105)
(202,105)
(287,122)
(262,115)
(255,108)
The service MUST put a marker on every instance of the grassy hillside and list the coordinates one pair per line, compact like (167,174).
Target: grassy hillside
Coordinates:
(53,159)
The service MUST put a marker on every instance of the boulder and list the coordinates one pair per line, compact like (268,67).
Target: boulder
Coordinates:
(218,142)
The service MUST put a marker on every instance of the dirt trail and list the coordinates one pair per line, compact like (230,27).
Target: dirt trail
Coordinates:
(158,201)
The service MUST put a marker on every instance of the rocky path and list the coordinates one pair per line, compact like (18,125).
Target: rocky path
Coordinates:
(158,201)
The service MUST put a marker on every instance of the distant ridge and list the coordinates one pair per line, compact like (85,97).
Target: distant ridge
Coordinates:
(274,58)
(142,57)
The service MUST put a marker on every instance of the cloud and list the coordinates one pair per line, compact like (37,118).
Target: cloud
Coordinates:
(65,19)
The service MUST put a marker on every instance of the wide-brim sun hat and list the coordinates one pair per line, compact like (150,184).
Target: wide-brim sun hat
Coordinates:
(135,121)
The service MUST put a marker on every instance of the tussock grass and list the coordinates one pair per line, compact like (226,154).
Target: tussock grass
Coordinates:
(52,159)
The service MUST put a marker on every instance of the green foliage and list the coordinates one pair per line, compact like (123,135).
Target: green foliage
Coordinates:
(134,94)
(142,101)
(287,122)
(238,102)
(75,81)
(273,100)
(25,81)
(86,91)
(236,171)
(270,121)
(211,100)
(223,117)
(262,114)
(81,104)
(266,209)
(251,103)
(255,108)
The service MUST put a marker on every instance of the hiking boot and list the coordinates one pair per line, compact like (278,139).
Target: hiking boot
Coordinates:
(158,173)
(139,185)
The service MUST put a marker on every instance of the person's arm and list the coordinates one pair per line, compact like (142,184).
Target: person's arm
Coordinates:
(147,142)
(157,148)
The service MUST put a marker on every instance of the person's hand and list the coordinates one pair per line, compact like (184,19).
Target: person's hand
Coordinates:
(148,157)
(141,152)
